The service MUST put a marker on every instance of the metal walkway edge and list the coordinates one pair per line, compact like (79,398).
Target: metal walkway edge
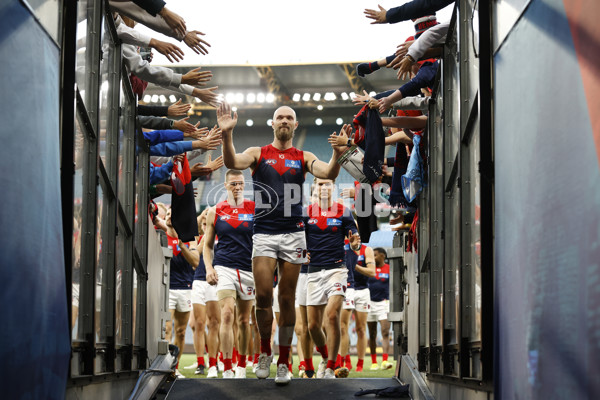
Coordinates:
(260,389)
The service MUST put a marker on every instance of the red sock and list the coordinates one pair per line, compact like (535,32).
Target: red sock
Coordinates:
(256,358)
(348,362)
(200,361)
(323,351)
(338,361)
(212,362)
(242,361)
(302,365)
(284,355)
(309,364)
(360,363)
(227,364)
(234,355)
(177,366)
(331,364)
(221,356)
(385,357)
(374,358)
(265,346)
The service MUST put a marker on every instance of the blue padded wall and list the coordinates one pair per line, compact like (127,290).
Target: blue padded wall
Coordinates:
(34,355)
(547,214)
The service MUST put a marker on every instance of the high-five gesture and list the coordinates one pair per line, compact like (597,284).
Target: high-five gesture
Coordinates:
(194,42)
(200,169)
(339,142)
(178,108)
(196,77)
(224,118)
(378,16)
(207,95)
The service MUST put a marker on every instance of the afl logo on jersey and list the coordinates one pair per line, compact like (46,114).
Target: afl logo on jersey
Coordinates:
(312,221)
(224,217)
(270,161)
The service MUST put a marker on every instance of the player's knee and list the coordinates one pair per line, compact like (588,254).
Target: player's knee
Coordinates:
(213,323)
(227,316)
(244,321)
(200,325)
(286,301)
(313,326)
(180,332)
(263,302)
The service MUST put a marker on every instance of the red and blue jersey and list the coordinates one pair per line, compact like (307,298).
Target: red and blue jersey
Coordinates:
(360,281)
(181,272)
(233,226)
(278,179)
(379,286)
(325,233)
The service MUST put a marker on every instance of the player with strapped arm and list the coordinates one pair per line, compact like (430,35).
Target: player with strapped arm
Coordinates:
(278,171)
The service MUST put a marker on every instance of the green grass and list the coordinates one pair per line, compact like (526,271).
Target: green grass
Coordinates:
(188,359)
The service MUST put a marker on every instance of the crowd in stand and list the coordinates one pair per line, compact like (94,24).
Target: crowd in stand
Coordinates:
(243,266)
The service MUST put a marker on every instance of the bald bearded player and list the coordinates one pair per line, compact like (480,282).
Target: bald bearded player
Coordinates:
(278,172)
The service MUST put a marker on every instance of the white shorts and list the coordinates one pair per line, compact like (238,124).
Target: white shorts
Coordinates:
(203,292)
(362,300)
(301,290)
(323,284)
(379,311)
(180,300)
(276,299)
(290,247)
(349,303)
(236,279)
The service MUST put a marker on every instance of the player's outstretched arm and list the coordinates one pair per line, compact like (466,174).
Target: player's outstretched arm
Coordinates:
(321,169)
(233,160)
